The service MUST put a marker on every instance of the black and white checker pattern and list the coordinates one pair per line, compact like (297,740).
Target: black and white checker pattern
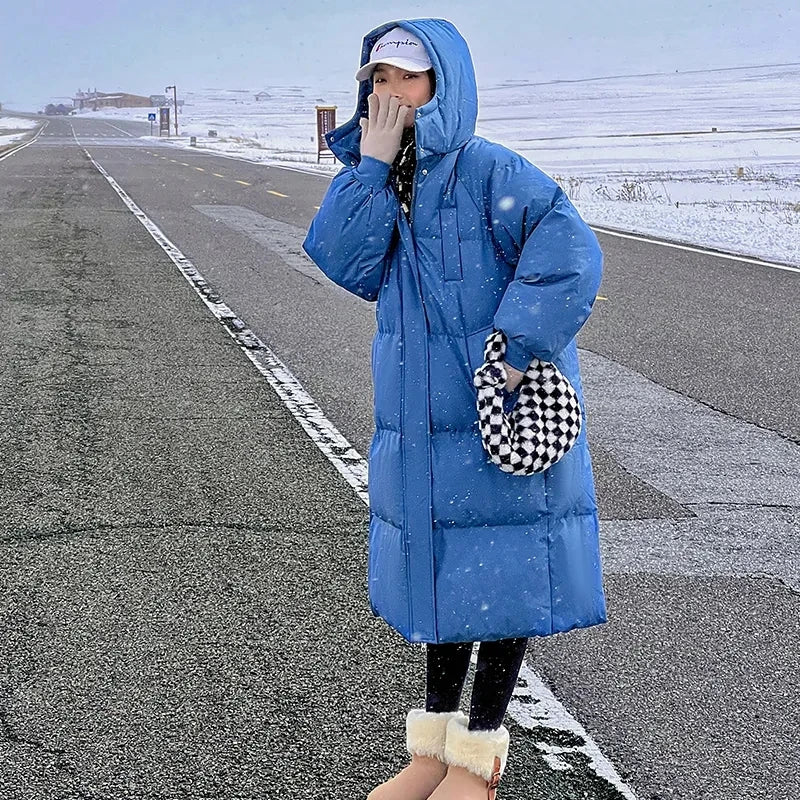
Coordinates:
(544,423)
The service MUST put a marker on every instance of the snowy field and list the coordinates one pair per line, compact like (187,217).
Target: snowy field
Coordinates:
(13,129)
(635,153)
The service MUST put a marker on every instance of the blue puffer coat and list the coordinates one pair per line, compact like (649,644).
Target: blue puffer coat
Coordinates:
(459,550)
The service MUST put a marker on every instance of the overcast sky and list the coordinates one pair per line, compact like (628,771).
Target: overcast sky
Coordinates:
(51,48)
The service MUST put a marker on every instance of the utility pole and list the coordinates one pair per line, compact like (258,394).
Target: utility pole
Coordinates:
(175,100)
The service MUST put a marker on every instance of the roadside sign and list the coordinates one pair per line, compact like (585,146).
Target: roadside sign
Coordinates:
(152,116)
(326,122)
(163,121)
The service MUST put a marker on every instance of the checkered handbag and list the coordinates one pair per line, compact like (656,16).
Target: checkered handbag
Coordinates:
(544,423)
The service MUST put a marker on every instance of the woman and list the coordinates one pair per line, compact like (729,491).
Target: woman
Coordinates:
(457,237)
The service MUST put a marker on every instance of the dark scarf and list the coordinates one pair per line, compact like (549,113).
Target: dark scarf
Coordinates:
(403,168)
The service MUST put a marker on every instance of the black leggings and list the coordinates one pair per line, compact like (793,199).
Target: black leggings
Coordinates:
(496,674)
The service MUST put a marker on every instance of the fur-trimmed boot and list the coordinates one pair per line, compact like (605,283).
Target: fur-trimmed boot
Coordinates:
(425,742)
(475,761)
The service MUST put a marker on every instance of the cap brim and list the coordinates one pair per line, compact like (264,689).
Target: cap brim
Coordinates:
(410,64)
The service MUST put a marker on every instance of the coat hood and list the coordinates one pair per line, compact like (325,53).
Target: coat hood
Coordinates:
(445,123)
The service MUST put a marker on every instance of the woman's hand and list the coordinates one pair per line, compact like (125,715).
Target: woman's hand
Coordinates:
(513,377)
(381,132)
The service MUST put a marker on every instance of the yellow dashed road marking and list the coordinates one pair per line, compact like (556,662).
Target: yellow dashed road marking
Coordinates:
(600,297)
(317,207)
(199,169)
(244,183)
(217,175)
(183,163)
(277,194)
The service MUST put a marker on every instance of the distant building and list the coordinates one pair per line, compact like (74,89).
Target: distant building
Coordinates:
(61,108)
(96,100)
(263,96)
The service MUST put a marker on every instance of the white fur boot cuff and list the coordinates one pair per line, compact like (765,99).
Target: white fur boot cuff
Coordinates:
(475,750)
(426,730)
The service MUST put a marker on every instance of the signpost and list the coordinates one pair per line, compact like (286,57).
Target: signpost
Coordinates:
(326,122)
(163,121)
(175,98)
(152,117)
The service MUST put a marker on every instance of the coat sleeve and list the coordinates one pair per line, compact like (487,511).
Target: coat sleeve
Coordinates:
(351,235)
(558,263)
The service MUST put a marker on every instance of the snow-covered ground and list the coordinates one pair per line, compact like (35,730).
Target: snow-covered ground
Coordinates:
(634,153)
(12,129)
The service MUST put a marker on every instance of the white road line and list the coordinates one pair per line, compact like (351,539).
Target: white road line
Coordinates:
(549,712)
(116,129)
(26,144)
(533,706)
(328,439)
(694,249)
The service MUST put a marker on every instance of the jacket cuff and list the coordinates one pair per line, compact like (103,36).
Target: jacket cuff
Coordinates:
(372,172)
(516,356)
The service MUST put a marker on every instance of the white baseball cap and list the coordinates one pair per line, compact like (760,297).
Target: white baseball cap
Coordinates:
(400,48)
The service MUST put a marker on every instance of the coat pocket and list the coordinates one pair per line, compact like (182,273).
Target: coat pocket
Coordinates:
(451,246)
(476,344)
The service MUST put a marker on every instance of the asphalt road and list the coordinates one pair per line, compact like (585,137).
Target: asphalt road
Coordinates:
(183,605)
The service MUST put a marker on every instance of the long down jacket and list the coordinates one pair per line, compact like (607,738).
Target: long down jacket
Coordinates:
(459,550)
